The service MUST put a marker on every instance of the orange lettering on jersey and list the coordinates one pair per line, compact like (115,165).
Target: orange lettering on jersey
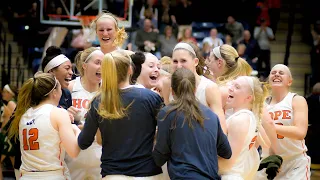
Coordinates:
(76,103)
(286,114)
(85,103)
(278,135)
(276,115)
(252,142)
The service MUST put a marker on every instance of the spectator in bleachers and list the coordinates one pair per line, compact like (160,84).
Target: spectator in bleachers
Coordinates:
(146,38)
(264,35)
(9,98)
(263,8)
(149,15)
(252,47)
(167,41)
(206,49)
(182,16)
(165,15)
(149,6)
(235,29)
(187,36)
(229,40)
(213,40)
(241,48)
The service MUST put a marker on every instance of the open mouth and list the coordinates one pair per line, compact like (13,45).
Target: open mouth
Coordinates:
(67,80)
(105,39)
(153,77)
(230,97)
(98,75)
(276,80)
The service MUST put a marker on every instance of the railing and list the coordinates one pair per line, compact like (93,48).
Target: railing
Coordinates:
(10,73)
(292,9)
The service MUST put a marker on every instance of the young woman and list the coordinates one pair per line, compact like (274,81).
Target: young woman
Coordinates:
(83,89)
(43,129)
(186,55)
(60,66)
(226,65)
(9,94)
(110,36)
(290,114)
(246,97)
(150,71)
(125,115)
(189,136)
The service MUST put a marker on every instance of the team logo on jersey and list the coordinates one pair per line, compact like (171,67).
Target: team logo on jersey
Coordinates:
(30,122)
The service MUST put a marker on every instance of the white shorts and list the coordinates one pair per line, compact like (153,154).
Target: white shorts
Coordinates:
(123,177)
(297,168)
(48,175)
(87,164)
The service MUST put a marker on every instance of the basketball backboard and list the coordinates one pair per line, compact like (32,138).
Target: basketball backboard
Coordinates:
(69,12)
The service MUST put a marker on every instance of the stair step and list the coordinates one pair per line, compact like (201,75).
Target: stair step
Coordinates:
(299,48)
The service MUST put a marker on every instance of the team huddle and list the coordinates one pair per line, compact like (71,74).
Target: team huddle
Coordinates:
(128,115)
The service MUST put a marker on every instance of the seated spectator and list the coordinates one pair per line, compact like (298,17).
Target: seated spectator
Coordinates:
(235,29)
(146,39)
(206,49)
(252,46)
(228,40)
(167,42)
(213,40)
(241,48)
(187,36)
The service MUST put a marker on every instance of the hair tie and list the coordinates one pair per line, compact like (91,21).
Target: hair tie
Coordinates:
(237,58)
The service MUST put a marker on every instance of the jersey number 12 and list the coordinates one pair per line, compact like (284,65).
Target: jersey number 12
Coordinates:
(29,139)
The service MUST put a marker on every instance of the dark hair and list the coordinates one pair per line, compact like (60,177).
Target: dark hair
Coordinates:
(51,53)
(138,58)
(183,83)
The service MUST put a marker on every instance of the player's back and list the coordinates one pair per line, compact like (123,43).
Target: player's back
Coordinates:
(41,148)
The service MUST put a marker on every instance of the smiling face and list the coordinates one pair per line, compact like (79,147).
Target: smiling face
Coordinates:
(280,77)
(182,58)
(92,69)
(150,73)
(240,93)
(106,31)
(63,73)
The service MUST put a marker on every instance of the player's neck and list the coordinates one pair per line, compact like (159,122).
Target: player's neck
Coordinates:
(278,96)
(88,85)
(108,49)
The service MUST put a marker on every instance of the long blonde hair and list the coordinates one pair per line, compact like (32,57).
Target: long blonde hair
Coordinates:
(261,92)
(121,34)
(114,70)
(32,92)
(235,65)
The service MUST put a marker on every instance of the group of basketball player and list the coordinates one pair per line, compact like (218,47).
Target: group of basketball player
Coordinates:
(216,115)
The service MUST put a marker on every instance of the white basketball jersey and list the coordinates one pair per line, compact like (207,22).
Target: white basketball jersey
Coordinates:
(248,161)
(200,91)
(81,99)
(282,114)
(40,144)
